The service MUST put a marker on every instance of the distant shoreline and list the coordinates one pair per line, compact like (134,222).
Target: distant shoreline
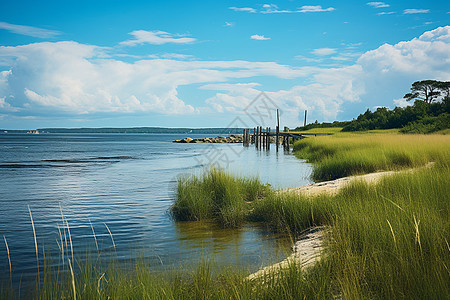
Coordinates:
(210,130)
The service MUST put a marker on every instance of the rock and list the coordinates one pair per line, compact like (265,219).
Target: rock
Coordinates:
(186,140)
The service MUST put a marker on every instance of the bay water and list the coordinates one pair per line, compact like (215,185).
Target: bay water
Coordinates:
(125,183)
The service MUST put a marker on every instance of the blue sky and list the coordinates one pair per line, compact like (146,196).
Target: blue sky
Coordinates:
(202,63)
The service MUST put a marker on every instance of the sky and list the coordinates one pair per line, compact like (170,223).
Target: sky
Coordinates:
(206,63)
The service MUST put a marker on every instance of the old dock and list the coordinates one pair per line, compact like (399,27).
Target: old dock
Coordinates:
(263,137)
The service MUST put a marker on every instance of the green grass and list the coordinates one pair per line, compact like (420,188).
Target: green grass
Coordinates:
(216,195)
(347,154)
(386,241)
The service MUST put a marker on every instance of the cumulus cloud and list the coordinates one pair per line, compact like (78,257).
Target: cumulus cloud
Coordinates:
(77,79)
(401,102)
(29,30)
(259,37)
(378,4)
(415,11)
(378,78)
(74,78)
(155,37)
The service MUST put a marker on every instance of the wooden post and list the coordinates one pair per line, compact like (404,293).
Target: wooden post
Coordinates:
(257,138)
(260,137)
(268,139)
(305,117)
(263,139)
(277,129)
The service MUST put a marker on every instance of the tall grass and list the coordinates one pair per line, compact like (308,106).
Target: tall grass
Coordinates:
(386,241)
(216,195)
(344,154)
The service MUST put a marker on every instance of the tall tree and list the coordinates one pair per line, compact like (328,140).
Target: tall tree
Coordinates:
(426,90)
(444,87)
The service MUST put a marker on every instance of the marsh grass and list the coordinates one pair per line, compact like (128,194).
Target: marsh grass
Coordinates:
(216,195)
(347,154)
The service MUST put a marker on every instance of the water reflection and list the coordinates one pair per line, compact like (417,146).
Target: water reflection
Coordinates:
(250,245)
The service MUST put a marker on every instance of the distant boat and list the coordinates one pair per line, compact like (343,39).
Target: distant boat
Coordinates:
(33,131)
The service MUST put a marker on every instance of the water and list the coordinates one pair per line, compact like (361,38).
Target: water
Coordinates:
(126,182)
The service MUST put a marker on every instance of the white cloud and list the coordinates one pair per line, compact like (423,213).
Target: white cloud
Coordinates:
(324,51)
(308,59)
(415,11)
(314,8)
(259,37)
(171,56)
(73,78)
(156,37)
(244,9)
(376,79)
(229,24)
(378,4)
(273,9)
(29,30)
(77,79)
(401,102)
(385,13)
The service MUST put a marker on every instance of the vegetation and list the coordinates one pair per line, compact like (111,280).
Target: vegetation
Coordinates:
(316,124)
(216,195)
(428,90)
(427,115)
(421,117)
(347,154)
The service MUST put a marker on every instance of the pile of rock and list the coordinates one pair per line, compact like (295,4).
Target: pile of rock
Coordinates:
(234,138)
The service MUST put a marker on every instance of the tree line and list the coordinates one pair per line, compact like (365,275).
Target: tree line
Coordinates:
(429,113)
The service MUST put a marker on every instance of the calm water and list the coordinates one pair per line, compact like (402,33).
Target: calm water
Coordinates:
(126,182)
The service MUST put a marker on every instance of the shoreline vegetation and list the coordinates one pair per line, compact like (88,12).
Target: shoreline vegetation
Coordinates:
(388,229)
(383,240)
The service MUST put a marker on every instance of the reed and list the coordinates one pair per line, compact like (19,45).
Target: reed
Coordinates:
(111,236)
(36,248)
(216,195)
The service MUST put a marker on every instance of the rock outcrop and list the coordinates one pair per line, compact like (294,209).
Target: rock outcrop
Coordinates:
(232,139)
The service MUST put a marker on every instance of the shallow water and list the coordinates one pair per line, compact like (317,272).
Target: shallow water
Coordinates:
(126,182)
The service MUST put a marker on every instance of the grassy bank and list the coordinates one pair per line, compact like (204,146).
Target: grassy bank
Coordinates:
(346,154)
(387,241)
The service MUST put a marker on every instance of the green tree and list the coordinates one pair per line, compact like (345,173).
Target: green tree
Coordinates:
(444,87)
(425,90)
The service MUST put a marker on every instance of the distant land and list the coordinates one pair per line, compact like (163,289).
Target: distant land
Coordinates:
(129,130)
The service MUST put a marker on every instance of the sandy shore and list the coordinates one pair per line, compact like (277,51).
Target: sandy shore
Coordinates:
(332,187)
(309,246)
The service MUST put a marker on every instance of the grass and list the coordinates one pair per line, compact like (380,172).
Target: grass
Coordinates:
(216,195)
(347,154)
